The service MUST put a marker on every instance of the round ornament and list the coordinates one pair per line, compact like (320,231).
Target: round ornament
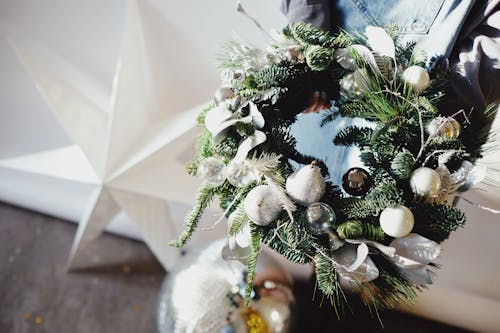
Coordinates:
(224,93)
(425,182)
(397,221)
(356,181)
(444,127)
(262,205)
(306,185)
(320,217)
(417,78)
(212,171)
(241,174)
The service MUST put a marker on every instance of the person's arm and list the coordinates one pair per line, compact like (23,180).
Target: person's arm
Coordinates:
(316,12)
(475,60)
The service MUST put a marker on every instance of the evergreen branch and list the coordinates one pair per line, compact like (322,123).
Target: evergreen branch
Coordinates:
(252,262)
(291,239)
(203,199)
(402,165)
(238,219)
(354,135)
(436,221)
(357,229)
(237,54)
(328,284)
(306,34)
(380,197)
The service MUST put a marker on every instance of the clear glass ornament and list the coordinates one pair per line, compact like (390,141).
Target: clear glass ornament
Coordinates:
(320,217)
(212,171)
(241,174)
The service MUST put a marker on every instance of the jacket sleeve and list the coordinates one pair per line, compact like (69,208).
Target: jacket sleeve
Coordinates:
(475,60)
(316,12)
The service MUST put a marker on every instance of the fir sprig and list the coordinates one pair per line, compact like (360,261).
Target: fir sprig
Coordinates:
(252,262)
(203,199)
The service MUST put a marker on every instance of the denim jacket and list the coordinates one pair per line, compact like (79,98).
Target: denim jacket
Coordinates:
(467,31)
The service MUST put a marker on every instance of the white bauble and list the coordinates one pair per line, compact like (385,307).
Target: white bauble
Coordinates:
(263,205)
(417,77)
(397,221)
(425,182)
(306,185)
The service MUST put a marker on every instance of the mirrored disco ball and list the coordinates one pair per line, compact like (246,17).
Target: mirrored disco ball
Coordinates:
(201,295)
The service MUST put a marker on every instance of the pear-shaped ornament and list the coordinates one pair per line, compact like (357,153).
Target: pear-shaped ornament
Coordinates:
(306,185)
(263,205)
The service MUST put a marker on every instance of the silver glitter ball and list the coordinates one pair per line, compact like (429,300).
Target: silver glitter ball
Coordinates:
(193,297)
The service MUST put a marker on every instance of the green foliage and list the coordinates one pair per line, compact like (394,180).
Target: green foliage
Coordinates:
(276,75)
(239,218)
(200,119)
(475,135)
(328,283)
(203,199)
(204,147)
(252,262)
(357,229)
(354,135)
(227,148)
(382,195)
(290,239)
(402,165)
(389,290)
(318,58)
(345,39)
(306,34)
(436,221)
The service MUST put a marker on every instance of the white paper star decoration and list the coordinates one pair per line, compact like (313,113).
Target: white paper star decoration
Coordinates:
(129,136)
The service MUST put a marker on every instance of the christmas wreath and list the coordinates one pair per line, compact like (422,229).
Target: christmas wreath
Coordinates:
(378,228)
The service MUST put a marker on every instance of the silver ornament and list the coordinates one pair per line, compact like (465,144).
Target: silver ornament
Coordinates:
(397,221)
(320,217)
(306,185)
(263,205)
(444,127)
(224,93)
(212,171)
(417,78)
(425,182)
(193,297)
(241,174)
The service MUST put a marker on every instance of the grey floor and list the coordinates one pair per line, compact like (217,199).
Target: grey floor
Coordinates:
(117,292)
